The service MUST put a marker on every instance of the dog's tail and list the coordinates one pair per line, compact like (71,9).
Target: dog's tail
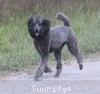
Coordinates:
(64,18)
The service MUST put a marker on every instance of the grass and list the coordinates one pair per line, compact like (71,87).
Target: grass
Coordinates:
(17,49)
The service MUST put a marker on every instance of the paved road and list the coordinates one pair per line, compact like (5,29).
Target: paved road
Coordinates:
(71,81)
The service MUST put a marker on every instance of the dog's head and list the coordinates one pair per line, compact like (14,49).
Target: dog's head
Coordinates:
(38,27)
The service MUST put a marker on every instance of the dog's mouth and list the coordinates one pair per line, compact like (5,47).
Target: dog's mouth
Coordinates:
(37,33)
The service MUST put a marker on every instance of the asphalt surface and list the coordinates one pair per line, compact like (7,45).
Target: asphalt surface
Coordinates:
(71,81)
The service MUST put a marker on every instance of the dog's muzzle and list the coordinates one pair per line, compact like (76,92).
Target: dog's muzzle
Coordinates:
(37,30)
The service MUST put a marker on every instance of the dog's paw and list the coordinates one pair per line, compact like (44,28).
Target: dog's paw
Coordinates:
(58,71)
(81,67)
(36,78)
(56,75)
(48,70)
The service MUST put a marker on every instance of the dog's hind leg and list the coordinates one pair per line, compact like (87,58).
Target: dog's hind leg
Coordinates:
(40,69)
(57,55)
(73,48)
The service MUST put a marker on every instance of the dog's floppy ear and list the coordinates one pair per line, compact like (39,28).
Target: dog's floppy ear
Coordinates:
(46,24)
(30,27)
(29,23)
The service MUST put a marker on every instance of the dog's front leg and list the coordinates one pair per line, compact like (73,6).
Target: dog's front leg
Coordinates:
(47,70)
(43,64)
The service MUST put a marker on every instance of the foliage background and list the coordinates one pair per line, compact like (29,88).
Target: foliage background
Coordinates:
(16,46)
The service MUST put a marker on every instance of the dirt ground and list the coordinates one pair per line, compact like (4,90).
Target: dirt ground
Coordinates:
(71,81)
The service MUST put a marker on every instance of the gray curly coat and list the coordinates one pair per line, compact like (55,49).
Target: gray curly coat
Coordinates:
(47,40)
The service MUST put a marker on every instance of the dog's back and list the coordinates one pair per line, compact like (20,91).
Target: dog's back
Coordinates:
(63,29)
(60,34)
